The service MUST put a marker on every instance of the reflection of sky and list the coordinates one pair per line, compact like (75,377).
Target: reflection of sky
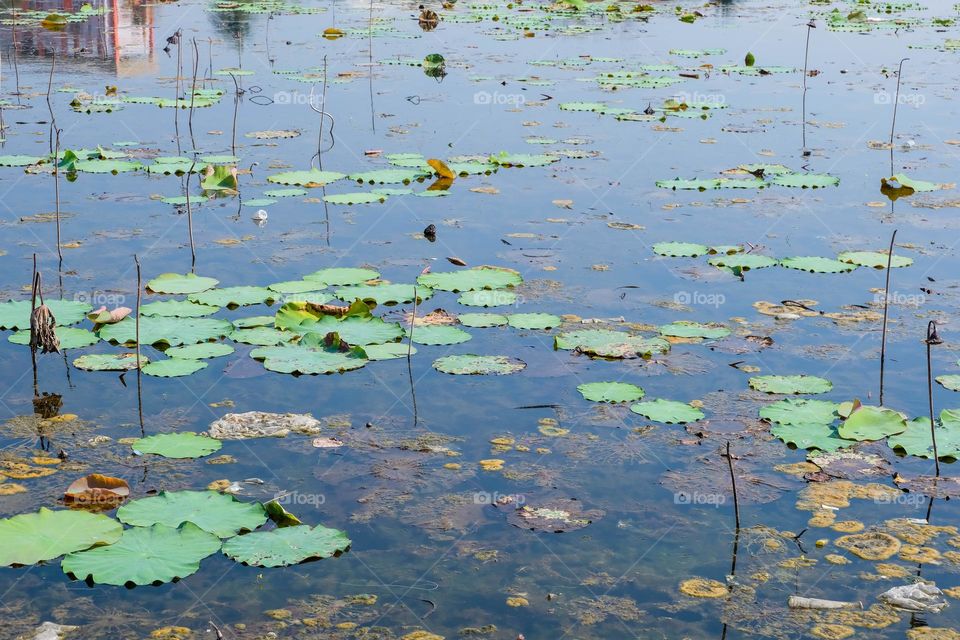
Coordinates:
(121,39)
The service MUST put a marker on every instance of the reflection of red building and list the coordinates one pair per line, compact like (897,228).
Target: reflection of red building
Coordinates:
(119,38)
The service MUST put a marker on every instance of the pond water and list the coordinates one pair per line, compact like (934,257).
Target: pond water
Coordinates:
(496,506)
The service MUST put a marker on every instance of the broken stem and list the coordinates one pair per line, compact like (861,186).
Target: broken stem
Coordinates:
(886,302)
(932,339)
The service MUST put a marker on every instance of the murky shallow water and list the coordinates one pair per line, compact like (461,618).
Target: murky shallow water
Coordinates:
(426,541)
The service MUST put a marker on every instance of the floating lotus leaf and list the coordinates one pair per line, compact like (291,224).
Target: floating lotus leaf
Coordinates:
(285,193)
(744,261)
(173,367)
(605,343)
(311,356)
(874,545)
(680,249)
(801,412)
(481,320)
(473,279)
(109,361)
(218,513)
(790,384)
(383,293)
(15,314)
(805,180)
(233,296)
(106,166)
(340,276)
(410,160)
(817,264)
(668,411)
(389,176)
(918,186)
(314,297)
(178,309)
(19,161)
(355,329)
(184,444)
(523,159)
(34,537)
(687,329)
(439,335)
(286,546)
(534,320)
(553,515)
(262,336)
(175,283)
(582,106)
(355,198)
(259,202)
(478,365)
(471,168)
(388,351)
(170,331)
(950,382)
(296,286)
(253,321)
(872,423)
(200,351)
(768,169)
(181,201)
(692,184)
(610,391)
(874,259)
(487,298)
(917,441)
(312,178)
(70,337)
(811,436)
(145,555)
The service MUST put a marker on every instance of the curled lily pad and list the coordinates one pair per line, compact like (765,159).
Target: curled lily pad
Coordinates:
(178,309)
(874,259)
(487,298)
(173,367)
(680,249)
(220,514)
(70,337)
(184,444)
(744,261)
(605,343)
(790,384)
(811,436)
(145,555)
(478,365)
(474,279)
(312,178)
(176,283)
(171,331)
(610,391)
(200,351)
(108,361)
(33,537)
(383,293)
(357,327)
(791,411)
(439,335)
(805,180)
(872,423)
(340,276)
(817,264)
(233,296)
(687,329)
(482,320)
(534,320)
(667,411)
(286,546)
(15,314)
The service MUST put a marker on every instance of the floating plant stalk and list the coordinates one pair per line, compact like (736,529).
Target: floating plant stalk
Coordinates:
(932,338)
(733,483)
(886,302)
(323,114)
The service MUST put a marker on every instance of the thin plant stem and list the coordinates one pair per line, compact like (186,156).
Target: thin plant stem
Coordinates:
(56,190)
(193,90)
(896,103)
(16,67)
(137,330)
(193,249)
(34,290)
(53,118)
(236,107)
(733,483)
(886,303)
(806,57)
(932,339)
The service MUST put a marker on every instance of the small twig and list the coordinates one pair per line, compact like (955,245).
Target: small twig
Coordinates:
(886,303)
(733,483)
(932,338)
(216,629)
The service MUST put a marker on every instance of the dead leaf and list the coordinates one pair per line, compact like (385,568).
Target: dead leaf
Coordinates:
(489,190)
(442,169)
(457,261)
(102,316)
(564,204)
(97,491)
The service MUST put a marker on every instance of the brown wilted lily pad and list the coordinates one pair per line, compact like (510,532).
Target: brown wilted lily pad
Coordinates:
(556,515)
(97,491)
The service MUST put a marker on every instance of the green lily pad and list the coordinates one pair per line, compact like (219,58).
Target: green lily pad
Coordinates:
(15,314)
(356,328)
(916,440)
(262,336)
(874,259)
(474,365)
(175,283)
(687,329)
(383,293)
(680,249)
(473,279)
(744,261)
(34,537)
(950,382)
(439,335)
(178,309)
(70,337)
(790,384)
(145,555)
(285,193)
(106,166)
(298,359)
(487,298)
(534,320)
(811,436)
(286,546)
(200,351)
(340,276)
(610,391)
(310,179)
(296,286)
(804,412)
(388,351)
(872,423)
(805,180)
(667,411)
(253,321)
(482,320)
(817,264)
(184,444)
(233,296)
(389,176)
(222,515)
(173,367)
(361,197)
(605,343)
(109,361)
(19,161)
(181,201)
(918,186)
(523,159)
(170,331)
